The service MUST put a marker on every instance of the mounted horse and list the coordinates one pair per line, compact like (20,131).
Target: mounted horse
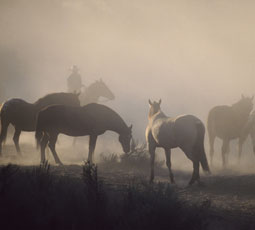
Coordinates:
(22,115)
(92,119)
(94,91)
(227,123)
(186,132)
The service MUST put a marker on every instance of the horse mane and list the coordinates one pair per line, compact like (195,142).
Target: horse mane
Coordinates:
(110,114)
(240,107)
(237,104)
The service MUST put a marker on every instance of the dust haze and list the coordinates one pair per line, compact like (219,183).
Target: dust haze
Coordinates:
(191,54)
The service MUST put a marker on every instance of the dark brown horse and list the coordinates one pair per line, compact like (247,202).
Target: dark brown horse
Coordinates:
(93,93)
(227,123)
(92,119)
(22,115)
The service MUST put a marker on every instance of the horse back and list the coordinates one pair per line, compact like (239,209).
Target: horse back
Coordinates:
(18,112)
(224,122)
(175,132)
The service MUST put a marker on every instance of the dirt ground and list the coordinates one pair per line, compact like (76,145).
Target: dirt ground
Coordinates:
(229,193)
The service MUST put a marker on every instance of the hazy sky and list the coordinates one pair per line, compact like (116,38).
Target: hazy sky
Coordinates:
(191,54)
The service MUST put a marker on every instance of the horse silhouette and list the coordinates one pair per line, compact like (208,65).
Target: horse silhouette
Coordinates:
(94,91)
(22,115)
(249,129)
(185,131)
(227,123)
(92,119)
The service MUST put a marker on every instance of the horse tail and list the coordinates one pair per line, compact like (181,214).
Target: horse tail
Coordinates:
(38,131)
(200,146)
(1,106)
(210,120)
(4,123)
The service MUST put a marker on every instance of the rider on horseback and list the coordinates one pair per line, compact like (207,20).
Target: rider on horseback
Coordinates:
(74,82)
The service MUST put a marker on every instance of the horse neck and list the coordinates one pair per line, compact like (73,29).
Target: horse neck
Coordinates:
(242,114)
(116,124)
(90,95)
(156,115)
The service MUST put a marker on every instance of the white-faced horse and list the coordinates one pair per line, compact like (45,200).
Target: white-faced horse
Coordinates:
(186,132)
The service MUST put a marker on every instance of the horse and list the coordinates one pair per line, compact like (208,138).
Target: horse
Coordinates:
(249,129)
(92,119)
(92,94)
(227,123)
(22,115)
(184,131)
(94,91)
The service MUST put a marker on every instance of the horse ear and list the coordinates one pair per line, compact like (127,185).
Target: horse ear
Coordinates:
(252,97)
(150,102)
(130,127)
(159,102)
(242,96)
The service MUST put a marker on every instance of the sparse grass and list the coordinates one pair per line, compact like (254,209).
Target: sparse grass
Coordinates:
(137,160)
(38,199)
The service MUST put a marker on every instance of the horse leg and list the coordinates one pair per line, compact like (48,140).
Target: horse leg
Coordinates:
(224,152)
(211,142)
(16,140)
(168,163)
(92,145)
(152,149)
(43,145)
(52,145)
(240,148)
(252,135)
(195,175)
(74,141)
(4,128)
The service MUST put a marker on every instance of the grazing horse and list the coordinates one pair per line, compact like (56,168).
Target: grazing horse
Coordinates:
(22,115)
(185,131)
(94,92)
(92,119)
(227,123)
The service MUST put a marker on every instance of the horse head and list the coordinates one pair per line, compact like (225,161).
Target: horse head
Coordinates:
(154,107)
(125,139)
(94,91)
(244,105)
(103,90)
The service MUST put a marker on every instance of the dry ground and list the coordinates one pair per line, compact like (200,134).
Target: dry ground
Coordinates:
(229,193)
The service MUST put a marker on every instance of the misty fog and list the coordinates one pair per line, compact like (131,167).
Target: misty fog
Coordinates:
(191,54)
